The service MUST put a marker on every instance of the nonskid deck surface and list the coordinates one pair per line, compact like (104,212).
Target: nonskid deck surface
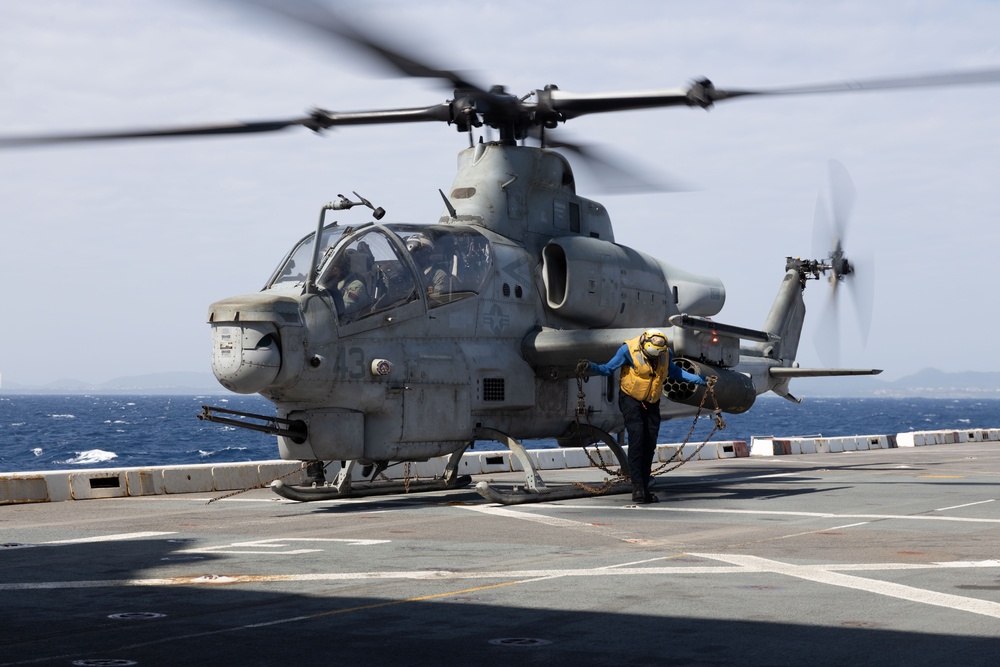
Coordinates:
(873,557)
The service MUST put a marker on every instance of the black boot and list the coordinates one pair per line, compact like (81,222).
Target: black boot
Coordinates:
(638,494)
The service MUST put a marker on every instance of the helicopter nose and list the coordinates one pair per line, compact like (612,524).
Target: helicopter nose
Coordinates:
(246,357)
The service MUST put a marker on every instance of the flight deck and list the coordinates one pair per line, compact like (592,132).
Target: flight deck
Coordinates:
(888,556)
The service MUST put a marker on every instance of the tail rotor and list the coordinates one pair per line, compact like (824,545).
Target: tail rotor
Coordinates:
(829,233)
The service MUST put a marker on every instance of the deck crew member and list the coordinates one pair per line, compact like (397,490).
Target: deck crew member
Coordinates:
(645,368)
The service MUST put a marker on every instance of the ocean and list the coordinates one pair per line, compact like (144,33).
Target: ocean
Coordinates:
(47,432)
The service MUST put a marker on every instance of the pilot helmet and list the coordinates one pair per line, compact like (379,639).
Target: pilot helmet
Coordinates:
(653,342)
(418,242)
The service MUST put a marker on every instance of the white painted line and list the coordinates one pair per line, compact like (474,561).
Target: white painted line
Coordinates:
(878,567)
(739,565)
(955,507)
(637,562)
(849,525)
(821,515)
(111,538)
(822,575)
(820,530)
(275,543)
(415,575)
(525,516)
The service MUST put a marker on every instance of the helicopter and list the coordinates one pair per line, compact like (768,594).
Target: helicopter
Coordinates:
(533,280)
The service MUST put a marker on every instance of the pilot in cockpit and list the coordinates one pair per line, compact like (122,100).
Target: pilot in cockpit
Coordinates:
(433,270)
(350,293)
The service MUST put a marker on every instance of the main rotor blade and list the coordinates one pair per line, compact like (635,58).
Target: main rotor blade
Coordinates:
(953,78)
(317,17)
(318,120)
(193,131)
(612,173)
(572,105)
(704,94)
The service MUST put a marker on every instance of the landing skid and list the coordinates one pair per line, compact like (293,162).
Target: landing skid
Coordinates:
(535,490)
(343,487)
(304,494)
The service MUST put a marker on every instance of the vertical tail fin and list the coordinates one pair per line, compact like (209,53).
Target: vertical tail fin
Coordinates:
(785,320)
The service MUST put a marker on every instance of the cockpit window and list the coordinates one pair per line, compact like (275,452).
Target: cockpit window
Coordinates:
(367,276)
(295,268)
(452,262)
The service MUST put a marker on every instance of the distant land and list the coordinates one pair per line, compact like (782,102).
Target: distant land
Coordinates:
(928,383)
(176,383)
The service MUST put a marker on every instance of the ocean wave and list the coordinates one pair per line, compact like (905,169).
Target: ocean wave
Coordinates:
(205,453)
(91,457)
(63,416)
(37,451)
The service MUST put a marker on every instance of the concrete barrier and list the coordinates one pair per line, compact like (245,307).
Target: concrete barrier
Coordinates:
(184,479)
(144,481)
(97,484)
(548,459)
(229,477)
(24,489)
(60,485)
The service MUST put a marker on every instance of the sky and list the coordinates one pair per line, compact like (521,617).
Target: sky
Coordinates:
(110,254)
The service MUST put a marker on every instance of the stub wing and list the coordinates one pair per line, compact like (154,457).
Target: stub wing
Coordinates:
(562,349)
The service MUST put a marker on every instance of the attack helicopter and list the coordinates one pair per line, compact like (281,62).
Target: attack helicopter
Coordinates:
(383,342)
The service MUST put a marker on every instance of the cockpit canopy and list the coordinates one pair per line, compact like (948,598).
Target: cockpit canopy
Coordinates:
(373,268)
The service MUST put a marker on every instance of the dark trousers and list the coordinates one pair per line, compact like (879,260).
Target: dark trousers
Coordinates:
(642,424)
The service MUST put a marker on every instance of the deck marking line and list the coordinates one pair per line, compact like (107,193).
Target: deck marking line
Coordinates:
(739,565)
(821,515)
(112,538)
(955,507)
(848,525)
(638,562)
(817,530)
(824,576)
(525,516)
(420,575)
(279,543)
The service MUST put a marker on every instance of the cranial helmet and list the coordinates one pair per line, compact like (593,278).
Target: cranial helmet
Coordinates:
(418,242)
(653,342)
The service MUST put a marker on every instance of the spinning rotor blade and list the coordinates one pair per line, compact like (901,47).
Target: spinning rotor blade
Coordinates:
(703,93)
(828,242)
(474,106)
(193,131)
(611,172)
(842,194)
(320,119)
(827,339)
(954,78)
(317,17)
(862,287)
